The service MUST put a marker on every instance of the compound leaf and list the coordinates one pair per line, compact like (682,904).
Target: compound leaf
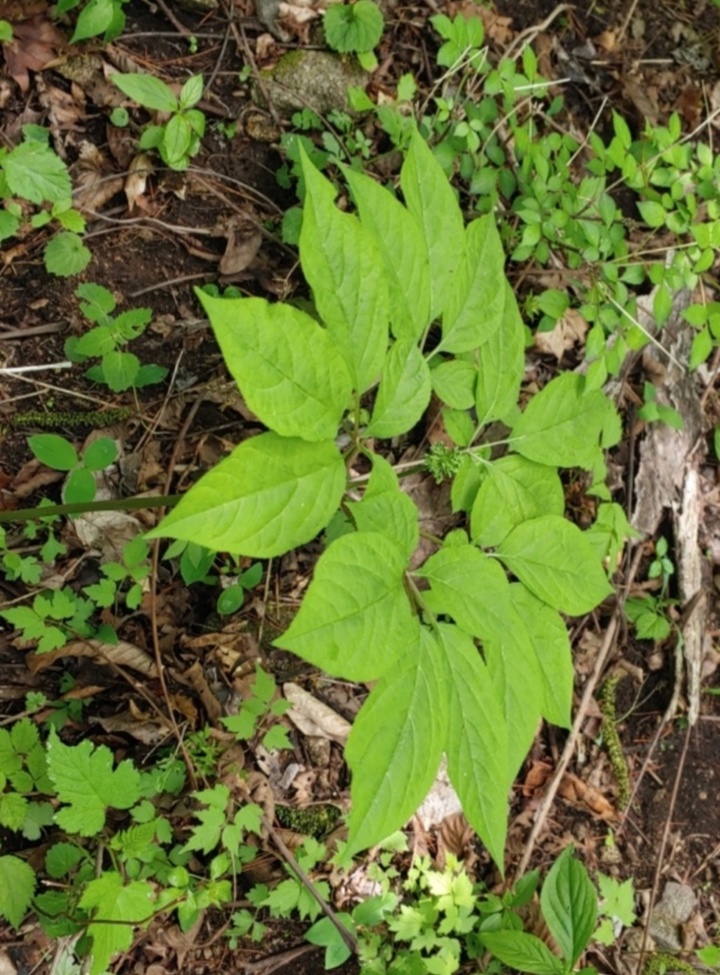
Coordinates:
(430,198)
(454,382)
(16,889)
(563,425)
(395,744)
(404,252)
(501,364)
(122,908)
(344,268)
(355,620)
(557,563)
(514,490)
(569,905)
(85,779)
(475,308)
(404,392)
(548,636)
(469,586)
(353,26)
(287,367)
(270,495)
(477,739)
(385,508)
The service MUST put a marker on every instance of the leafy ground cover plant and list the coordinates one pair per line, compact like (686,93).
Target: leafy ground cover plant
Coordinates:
(58,453)
(96,17)
(379,281)
(177,140)
(354,28)
(118,368)
(32,172)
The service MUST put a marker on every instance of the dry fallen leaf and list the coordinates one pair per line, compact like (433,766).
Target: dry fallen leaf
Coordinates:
(569,331)
(314,718)
(35,43)
(122,653)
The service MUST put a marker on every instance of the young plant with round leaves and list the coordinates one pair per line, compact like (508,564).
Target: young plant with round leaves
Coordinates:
(468,650)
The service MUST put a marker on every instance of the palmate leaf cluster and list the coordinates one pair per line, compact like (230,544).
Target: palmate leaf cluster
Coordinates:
(465,660)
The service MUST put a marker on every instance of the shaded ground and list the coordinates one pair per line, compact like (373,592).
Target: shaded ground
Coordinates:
(663,57)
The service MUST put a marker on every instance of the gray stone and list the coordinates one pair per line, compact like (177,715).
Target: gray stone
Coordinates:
(311,79)
(675,908)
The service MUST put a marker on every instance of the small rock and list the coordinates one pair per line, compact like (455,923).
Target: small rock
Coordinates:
(677,904)
(311,79)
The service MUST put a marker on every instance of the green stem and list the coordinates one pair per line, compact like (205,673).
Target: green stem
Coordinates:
(84,507)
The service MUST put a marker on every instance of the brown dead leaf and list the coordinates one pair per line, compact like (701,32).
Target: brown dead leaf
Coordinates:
(455,836)
(33,476)
(35,43)
(122,653)
(145,728)
(575,791)
(197,680)
(243,244)
(538,775)
(569,331)
(95,182)
(312,717)
(136,182)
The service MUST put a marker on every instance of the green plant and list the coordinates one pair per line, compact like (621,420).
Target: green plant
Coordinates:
(196,565)
(58,453)
(354,28)
(97,17)
(118,368)
(17,565)
(258,710)
(649,616)
(32,172)
(178,139)
(379,280)
(438,921)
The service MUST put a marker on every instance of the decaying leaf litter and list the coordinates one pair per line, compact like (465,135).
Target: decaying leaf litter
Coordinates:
(166,223)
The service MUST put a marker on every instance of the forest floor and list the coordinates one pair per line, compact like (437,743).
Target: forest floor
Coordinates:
(210,226)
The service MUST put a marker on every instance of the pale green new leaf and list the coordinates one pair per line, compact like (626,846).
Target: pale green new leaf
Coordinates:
(86,780)
(287,367)
(501,365)
(431,199)
(569,905)
(557,563)
(343,266)
(404,392)
(548,636)
(403,250)
(514,490)
(355,620)
(270,495)
(122,909)
(16,889)
(563,425)
(386,509)
(477,739)
(396,743)
(475,308)
(469,586)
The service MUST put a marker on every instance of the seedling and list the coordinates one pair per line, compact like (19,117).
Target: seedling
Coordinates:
(34,173)
(178,139)
(118,369)
(97,17)
(354,27)
(57,452)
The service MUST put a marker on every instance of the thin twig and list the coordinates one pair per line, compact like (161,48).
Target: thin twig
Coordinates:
(347,936)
